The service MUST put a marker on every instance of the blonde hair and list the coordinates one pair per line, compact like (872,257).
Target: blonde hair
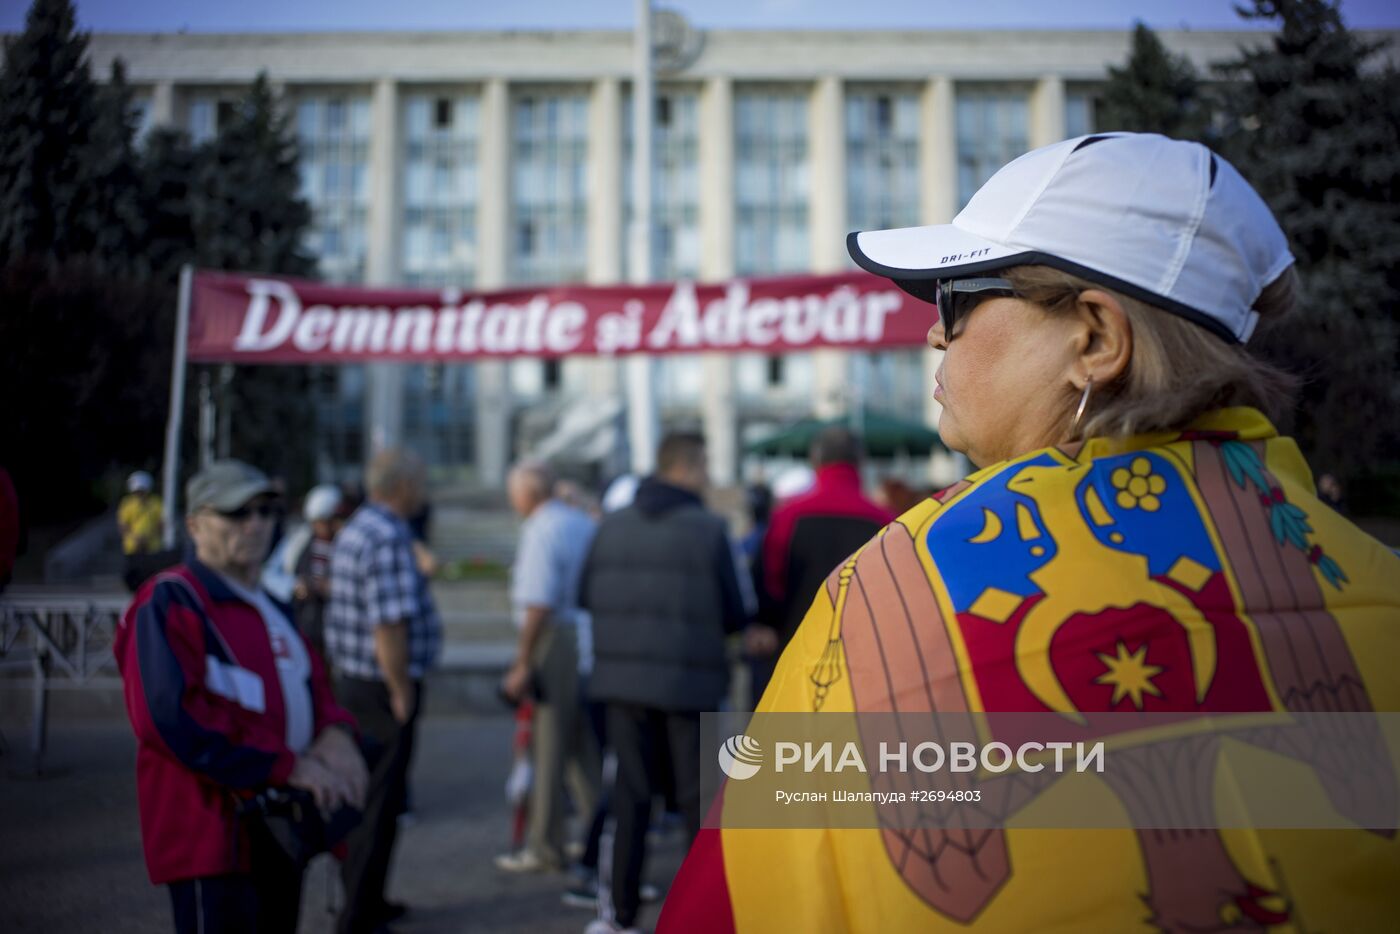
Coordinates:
(1178,370)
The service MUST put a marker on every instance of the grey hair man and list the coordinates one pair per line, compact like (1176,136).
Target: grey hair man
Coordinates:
(554,542)
(382,635)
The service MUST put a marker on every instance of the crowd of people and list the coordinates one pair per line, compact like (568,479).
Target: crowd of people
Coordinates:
(624,606)
(1092,318)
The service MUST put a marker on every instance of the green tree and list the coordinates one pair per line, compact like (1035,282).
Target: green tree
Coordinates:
(247,215)
(114,172)
(169,164)
(1154,92)
(92,235)
(65,166)
(1313,121)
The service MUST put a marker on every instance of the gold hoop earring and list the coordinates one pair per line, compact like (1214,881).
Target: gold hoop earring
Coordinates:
(1083,403)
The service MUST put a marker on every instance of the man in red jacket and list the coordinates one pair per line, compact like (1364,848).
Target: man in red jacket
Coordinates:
(226,700)
(810,534)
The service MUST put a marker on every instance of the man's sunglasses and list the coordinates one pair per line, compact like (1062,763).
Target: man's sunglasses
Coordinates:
(264,511)
(957,297)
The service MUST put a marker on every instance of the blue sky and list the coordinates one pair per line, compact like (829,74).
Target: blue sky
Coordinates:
(289,15)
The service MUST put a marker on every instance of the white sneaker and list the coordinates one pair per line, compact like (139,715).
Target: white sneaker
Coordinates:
(523,861)
(585,894)
(599,926)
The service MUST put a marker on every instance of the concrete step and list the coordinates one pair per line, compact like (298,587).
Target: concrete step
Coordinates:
(472,596)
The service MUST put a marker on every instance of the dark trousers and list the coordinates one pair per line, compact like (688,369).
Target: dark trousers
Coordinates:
(596,715)
(388,747)
(644,739)
(268,899)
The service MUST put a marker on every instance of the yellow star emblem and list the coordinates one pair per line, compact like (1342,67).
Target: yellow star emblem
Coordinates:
(1130,675)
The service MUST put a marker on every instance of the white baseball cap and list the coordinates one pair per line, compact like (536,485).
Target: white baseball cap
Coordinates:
(1162,220)
(321,503)
(140,480)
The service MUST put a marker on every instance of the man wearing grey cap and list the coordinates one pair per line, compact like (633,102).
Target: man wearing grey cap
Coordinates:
(227,700)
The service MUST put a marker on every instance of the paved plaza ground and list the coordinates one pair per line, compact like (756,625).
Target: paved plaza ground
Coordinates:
(70,848)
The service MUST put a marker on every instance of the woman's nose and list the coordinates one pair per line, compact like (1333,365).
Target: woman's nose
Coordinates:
(936,338)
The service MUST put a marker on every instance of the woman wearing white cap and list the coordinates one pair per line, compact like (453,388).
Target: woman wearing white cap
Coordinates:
(1138,538)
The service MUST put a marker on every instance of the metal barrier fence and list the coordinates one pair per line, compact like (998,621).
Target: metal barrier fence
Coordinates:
(62,641)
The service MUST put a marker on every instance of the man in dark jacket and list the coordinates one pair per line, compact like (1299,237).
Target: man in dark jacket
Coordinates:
(663,586)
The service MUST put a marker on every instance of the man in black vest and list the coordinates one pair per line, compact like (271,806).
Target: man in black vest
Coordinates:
(663,587)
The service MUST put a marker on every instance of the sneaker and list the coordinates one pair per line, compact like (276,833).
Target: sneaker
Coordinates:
(523,861)
(585,894)
(600,926)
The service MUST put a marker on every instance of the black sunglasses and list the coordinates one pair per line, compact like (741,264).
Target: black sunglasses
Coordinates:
(265,511)
(957,297)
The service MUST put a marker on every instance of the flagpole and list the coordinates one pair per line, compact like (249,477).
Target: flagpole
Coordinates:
(170,472)
(642,422)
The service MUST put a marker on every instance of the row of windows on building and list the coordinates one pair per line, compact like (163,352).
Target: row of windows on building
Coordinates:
(440,184)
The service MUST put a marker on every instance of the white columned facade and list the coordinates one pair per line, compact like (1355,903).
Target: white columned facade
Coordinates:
(163,104)
(493,233)
(831,367)
(718,408)
(938,195)
(385,380)
(604,212)
(1047,112)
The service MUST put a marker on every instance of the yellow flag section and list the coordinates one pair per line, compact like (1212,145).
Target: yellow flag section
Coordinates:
(1193,572)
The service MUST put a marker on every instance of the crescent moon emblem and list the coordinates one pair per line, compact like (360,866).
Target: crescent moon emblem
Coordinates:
(991,528)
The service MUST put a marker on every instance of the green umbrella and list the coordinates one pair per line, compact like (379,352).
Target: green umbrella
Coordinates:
(883,435)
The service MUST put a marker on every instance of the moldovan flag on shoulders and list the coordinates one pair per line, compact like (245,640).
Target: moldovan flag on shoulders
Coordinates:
(1192,571)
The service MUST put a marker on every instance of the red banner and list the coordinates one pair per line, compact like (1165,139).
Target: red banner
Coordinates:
(265,319)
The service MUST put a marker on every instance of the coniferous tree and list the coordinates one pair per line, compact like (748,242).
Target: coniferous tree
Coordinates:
(47,112)
(247,215)
(1313,121)
(114,173)
(248,212)
(168,170)
(1154,92)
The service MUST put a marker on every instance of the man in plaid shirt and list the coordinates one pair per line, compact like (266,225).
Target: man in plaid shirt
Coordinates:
(382,636)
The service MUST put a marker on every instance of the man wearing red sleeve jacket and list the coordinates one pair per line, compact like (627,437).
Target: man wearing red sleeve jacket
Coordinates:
(810,534)
(226,699)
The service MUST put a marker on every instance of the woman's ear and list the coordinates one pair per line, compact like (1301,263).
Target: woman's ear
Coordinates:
(1106,337)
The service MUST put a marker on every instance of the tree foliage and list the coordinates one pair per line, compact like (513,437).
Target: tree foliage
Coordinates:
(65,188)
(1313,121)
(1312,118)
(1154,92)
(93,232)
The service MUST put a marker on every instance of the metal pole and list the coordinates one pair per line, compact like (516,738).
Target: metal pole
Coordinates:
(225,410)
(206,420)
(170,473)
(643,426)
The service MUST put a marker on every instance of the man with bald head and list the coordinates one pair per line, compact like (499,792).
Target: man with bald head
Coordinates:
(382,636)
(554,542)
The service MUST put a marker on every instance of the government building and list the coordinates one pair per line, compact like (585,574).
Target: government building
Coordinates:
(480,160)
